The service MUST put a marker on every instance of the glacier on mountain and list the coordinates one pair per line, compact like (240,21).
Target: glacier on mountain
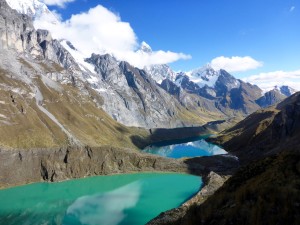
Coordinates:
(33,8)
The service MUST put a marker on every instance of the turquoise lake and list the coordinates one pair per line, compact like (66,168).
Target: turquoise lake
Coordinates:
(185,148)
(128,199)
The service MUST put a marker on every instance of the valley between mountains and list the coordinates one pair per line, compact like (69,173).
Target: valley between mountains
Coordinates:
(64,116)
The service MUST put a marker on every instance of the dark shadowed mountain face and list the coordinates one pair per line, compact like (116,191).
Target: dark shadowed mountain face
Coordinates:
(270,98)
(265,192)
(274,96)
(264,132)
(266,189)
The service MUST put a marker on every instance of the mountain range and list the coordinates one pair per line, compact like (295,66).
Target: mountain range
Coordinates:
(64,115)
(136,97)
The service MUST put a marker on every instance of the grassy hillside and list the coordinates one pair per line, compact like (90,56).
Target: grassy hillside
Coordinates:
(265,192)
(24,125)
(264,132)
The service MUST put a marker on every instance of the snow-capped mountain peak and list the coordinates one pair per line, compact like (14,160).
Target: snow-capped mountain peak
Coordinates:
(157,72)
(145,47)
(205,75)
(285,90)
(33,8)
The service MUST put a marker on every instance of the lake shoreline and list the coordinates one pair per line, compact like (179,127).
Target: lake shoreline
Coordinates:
(21,167)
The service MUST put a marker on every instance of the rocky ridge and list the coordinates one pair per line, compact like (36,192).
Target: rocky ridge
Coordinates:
(264,132)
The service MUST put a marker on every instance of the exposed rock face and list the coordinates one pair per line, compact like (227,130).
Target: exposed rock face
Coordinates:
(15,29)
(27,166)
(270,98)
(230,95)
(286,90)
(126,93)
(275,95)
(171,88)
(158,72)
(143,102)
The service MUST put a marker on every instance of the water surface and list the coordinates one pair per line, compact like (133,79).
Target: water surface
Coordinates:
(185,148)
(128,199)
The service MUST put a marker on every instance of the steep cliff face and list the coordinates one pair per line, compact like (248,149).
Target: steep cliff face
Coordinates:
(229,95)
(138,100)
(27,166)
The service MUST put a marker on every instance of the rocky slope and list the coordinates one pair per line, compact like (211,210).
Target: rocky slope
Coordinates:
(265,191)
(264,132)
(277,94)
(48,99)
(154,97)
(230,95)
(126,93)
(21,167)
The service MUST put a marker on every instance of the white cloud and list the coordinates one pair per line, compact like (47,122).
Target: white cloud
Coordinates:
(60,3)
(101,31)
(292,8)
(235,63)
(267,81)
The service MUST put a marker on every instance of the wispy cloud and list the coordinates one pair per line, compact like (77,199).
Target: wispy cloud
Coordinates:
(292,8)
(101,31)
(60,3)
(235,63)
(268,80)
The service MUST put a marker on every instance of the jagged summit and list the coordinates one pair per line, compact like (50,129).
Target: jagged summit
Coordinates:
(145,47)
(285,90)
(205,75)
(157,72)
(33,8)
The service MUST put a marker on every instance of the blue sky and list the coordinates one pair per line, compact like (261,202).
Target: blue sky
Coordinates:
(266,30)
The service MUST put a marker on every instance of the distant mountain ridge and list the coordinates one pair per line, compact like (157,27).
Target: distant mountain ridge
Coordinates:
(277,94)
(154,97)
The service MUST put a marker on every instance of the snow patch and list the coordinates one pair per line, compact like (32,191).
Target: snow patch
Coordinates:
(101,90)
(204,76)
(3,116)
(92,80)
(79,58)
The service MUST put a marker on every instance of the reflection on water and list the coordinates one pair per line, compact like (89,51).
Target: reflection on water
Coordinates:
(105,208)
(128,199)
(188,149)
